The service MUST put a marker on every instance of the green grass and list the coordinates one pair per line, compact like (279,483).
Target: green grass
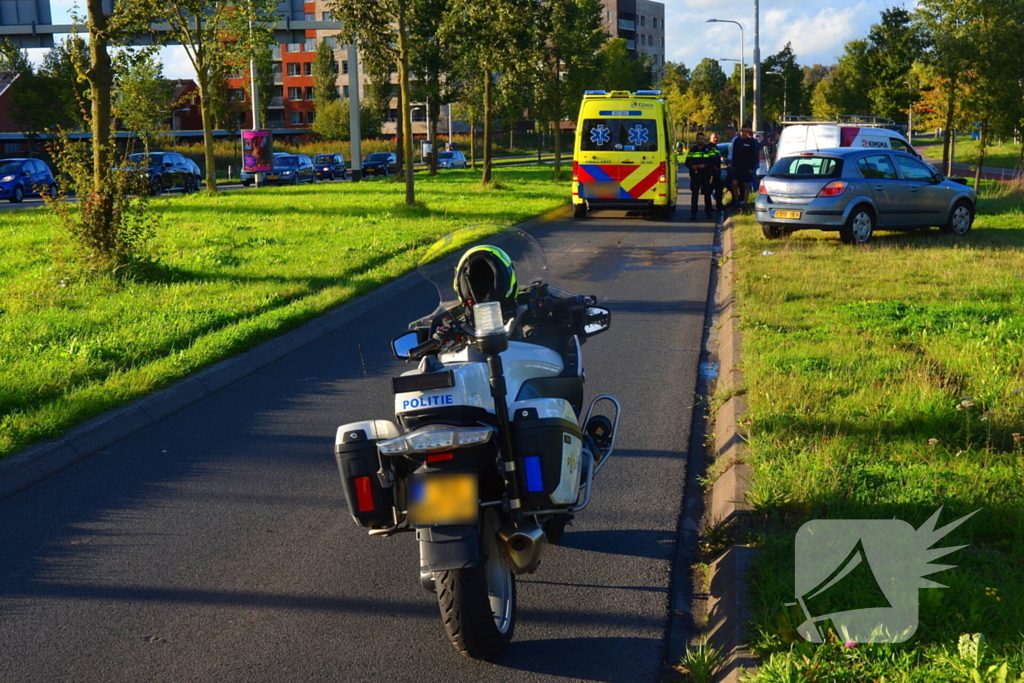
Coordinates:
(233,269)
(885,382)
(999,155)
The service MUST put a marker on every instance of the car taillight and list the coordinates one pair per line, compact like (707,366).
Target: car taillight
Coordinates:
(761,190)
(833,189)
(575,171)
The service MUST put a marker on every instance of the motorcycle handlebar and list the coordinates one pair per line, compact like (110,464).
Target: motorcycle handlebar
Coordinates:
(424,348)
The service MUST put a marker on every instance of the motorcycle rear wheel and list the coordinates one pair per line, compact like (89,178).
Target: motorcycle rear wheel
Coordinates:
(478,604)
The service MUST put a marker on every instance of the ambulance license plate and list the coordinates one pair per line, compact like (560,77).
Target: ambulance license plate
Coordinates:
(794,215)
(443,499)
(601,190)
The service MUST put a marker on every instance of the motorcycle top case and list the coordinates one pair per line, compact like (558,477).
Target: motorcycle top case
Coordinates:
(548,446)
(355,448)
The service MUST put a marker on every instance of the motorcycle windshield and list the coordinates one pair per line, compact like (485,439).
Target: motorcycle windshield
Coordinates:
(441,258)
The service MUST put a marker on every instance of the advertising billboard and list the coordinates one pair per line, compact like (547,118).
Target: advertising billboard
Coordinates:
(257,154)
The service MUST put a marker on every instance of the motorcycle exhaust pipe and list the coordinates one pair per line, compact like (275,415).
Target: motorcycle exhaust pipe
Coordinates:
(522,544)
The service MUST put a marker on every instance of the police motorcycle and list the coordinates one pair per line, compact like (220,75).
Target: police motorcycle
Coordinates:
(491,454)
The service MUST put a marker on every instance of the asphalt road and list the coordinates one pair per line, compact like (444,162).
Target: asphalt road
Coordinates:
(215,545)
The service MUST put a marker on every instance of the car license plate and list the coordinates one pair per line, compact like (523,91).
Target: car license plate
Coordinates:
(794,215)
(443,499)
(601,190)
(271,177)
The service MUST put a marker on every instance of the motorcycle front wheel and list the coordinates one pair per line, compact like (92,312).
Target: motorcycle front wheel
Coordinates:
(478,604)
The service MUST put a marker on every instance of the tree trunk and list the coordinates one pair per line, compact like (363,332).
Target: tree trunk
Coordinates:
(400,136)
(472,143)
(432,116)
(948,130)
(406,113)
(101,82)
(207,111)
(486,179)
(982,144)
(557,173)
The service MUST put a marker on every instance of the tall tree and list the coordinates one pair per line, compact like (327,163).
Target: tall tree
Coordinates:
(216,34)
(950,29)
(144,96)
(325,76)
(61,67)
(620,71)
(432,59)
(675,82)
(381,27)
(782,91)
(846,88)
(894,44)
(568,62)
(490,38)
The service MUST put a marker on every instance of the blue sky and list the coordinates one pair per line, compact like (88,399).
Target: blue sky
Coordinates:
(818,29)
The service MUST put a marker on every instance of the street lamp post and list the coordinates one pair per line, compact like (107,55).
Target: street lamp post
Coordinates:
(756,123)
(174,127)
(743,67)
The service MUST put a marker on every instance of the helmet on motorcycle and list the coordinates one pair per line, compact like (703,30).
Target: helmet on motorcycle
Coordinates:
(485,274)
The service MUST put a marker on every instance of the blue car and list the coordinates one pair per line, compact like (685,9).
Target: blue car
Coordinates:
(22,177)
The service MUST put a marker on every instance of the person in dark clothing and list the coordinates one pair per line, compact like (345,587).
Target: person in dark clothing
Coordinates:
(716,176)
(744,161)
(702,161)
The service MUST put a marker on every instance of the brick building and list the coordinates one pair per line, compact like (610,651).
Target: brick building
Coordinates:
(641,23)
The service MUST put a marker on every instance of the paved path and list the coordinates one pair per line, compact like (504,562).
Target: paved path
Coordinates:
(215,545)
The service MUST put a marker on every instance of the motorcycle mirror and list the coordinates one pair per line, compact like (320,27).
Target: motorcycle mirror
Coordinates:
(404,343)
(598,320)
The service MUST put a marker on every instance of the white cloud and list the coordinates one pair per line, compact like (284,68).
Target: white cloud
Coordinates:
(817,30)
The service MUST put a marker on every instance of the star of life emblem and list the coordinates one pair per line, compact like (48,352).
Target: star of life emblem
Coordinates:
(638,135)
(600,135)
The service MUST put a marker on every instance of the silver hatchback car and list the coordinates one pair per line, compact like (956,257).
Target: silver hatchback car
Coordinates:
(856,190)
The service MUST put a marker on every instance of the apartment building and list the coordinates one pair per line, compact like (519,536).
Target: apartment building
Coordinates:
(641,23)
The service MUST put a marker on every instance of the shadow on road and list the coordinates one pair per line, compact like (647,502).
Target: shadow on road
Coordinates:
(589,659)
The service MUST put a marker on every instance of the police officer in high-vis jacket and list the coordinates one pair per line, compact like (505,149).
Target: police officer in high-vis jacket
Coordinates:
(704,164)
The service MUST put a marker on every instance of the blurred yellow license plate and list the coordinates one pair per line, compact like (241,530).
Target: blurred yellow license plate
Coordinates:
(271,177)
(795,215)
(443,499)
(601,190)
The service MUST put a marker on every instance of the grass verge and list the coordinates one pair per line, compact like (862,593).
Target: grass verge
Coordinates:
(232,270)
(999,155)
(885,382)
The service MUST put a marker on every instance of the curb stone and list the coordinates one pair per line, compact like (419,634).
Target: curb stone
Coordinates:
(37,462)
(727,611)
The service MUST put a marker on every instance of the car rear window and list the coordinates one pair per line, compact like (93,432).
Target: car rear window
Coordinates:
(808,167)
(619,135)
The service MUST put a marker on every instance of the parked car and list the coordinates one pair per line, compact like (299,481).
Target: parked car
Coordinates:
(248,178)
(197,175)
(380,164)
(291,169)
(165,171)
(22,177)
(451,160)
(854,190)
(330,166)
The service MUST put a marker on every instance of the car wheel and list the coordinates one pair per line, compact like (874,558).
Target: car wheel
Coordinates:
(53,191)
(189,185)
(246,183)
(295,180)
(579,210)
(774,232)
(961,218)
(858,227)
(157,186)
(18,196)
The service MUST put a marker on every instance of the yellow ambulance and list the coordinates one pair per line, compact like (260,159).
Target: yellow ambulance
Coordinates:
(624,155)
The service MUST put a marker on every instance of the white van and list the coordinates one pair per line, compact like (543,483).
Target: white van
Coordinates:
(804,133)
